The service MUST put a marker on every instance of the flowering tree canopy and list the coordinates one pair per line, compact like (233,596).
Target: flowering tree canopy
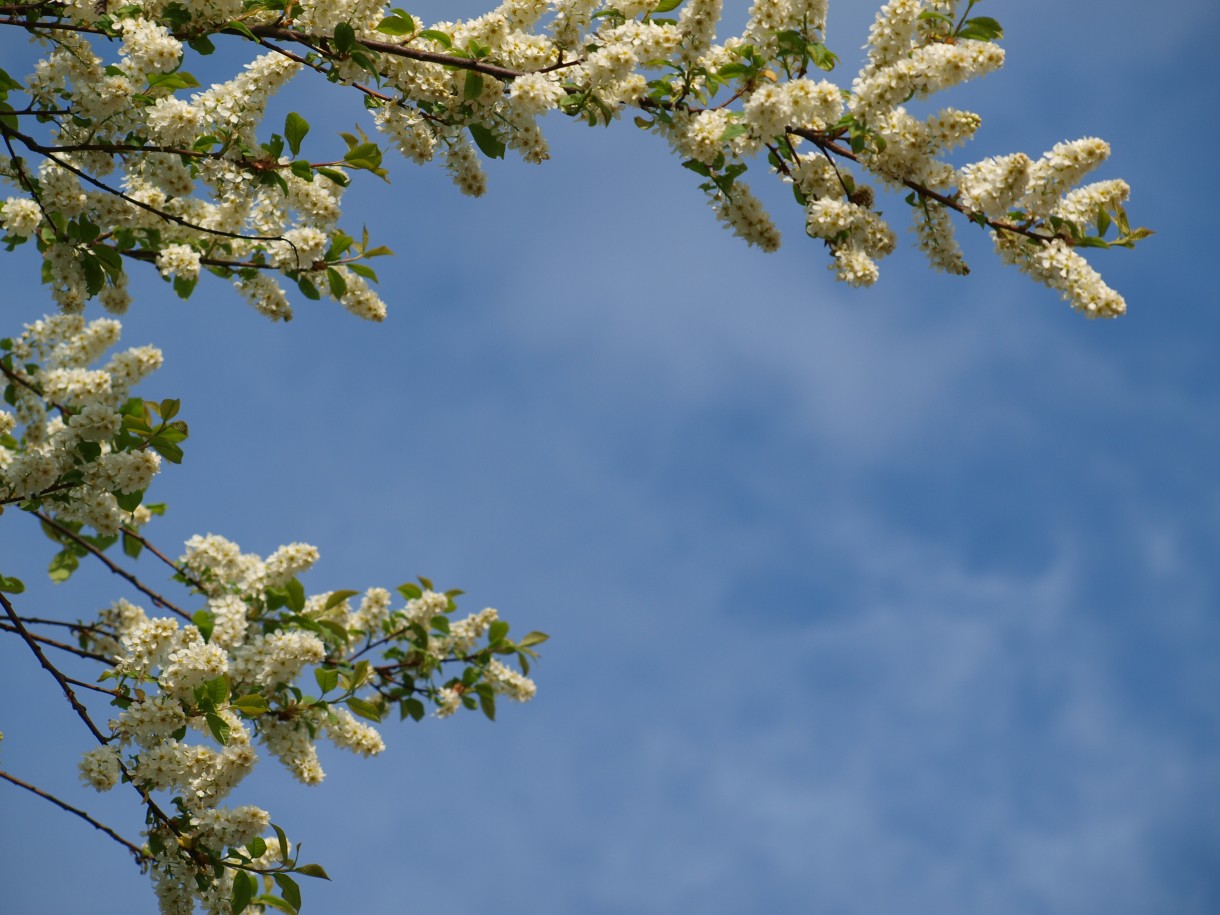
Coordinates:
(115,154)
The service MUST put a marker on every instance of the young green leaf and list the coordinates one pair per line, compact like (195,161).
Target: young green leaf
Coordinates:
(295,128)
(345,38)
(364,709)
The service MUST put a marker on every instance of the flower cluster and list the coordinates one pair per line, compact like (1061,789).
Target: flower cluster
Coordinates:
(75,451)
(198,701)
(208,191)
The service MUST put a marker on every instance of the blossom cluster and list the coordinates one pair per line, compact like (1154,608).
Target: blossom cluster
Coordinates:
(67,439)
(199,701)
(207,191)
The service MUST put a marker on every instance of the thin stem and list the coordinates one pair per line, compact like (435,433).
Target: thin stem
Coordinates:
(829,146)
(62,646)
(49,152)
(178,569)
(95,688)
(138,853)
(58,487)
(111,565)
(75,627)
(52,670)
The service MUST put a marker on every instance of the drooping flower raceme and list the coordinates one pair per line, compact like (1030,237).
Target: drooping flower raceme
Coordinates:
(212,191)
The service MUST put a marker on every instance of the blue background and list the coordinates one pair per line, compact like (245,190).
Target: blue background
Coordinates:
(894,600)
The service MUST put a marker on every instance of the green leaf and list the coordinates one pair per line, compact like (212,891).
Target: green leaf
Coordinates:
(217,689)
(364,155)
(252,705)
(219,727)
(336,282)
(308,289)
(129,501)
(364,709)
(63,564)
(205,622)
(487,702)
(279,834)
(409,591)
(241,28)
(533,638)
(362,270)
(491,145)
(245,885)
(338,597)
(172,81)
(474,85)
(497,631)
(981,28)
(11,585)
(1103,223)
(733,131)
(345,38)
(441,38)
(313,870)
(257,847)
(131,546)
(288,889)
(666,6)
(202,45)
(335,175)
(166,449)
(327,677)
(295,128)
(823,58)
(396,25)
(296,595)
(275,902)
(168,408)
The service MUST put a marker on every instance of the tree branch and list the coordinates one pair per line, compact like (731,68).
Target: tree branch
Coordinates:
(52,670)
(62,646)
(828,145)
(138,853)
(111,565)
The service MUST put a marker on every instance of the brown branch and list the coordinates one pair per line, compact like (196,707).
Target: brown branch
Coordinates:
(49,152)
(138,853)
(81,711)
(62,646)
(111,565)
(314,42)
(50,668)
(92,686)
(78,627)
(18,378)
(180,570)
(827,145)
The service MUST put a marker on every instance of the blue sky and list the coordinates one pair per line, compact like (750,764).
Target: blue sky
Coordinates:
(895,600)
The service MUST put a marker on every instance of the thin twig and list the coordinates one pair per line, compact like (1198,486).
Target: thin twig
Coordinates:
(829,146)
(137,852)
(111,565)
(62,646)
(92,686)
(52,670)
(180,570)
(79,627)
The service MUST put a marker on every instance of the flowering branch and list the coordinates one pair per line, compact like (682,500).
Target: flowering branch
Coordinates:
(114,567)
